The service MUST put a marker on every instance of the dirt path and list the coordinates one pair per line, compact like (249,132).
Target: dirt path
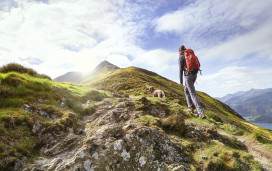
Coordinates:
(258,151)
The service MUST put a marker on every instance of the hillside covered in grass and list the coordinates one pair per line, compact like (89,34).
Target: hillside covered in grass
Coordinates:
(135,81)
(112,122)
(30,103)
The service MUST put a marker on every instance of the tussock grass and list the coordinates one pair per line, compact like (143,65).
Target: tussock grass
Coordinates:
(259,138)
(221,157)
(18,89)
(174,124)
(148,120)
(26,146)
(231,129)
(14,67)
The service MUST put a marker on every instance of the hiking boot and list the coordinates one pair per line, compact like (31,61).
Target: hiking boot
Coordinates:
(202,116)
(191,109)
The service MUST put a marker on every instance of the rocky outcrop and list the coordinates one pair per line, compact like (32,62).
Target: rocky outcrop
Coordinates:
(112,140)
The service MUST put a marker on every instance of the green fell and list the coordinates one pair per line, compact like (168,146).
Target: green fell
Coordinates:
(27,99)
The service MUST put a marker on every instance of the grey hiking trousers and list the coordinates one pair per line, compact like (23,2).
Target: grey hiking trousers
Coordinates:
(190,93)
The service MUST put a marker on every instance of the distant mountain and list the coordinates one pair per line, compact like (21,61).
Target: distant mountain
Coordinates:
(105,66)
(230,96)
(258,105)
(255,102)
(241,96)
(78,77)
(74,77)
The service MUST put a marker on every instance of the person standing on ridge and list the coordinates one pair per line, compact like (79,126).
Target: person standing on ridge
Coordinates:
(190,75)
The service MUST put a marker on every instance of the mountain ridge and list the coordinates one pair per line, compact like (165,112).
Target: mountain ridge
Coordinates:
(241,96)
(257,106)
(78,77)
(252,103)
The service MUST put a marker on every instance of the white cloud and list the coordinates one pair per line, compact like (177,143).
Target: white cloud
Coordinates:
(31,60)
(223,34)
(79,33)
(257,41)
(206,23)
(72,35)
(233,79)
(157,60)
(119,60)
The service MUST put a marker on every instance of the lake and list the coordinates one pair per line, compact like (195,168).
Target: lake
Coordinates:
(264,125)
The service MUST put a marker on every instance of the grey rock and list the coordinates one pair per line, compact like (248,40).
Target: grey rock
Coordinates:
(125,104)
(55,163)
(117,95)
(156,111)
(201,128)
(19,164)
(43,114)
(39,105)
(36,127)
(123,145)
(176,167)
(26,108)
(97,142)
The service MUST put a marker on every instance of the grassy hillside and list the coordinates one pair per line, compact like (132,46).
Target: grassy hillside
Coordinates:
(132,81)
(29,102)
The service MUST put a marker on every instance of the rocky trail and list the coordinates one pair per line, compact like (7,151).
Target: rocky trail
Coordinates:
(110,140)
(259,152)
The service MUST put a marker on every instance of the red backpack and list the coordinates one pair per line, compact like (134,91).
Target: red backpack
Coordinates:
(192,62)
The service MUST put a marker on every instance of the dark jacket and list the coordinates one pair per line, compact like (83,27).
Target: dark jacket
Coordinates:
(182,65)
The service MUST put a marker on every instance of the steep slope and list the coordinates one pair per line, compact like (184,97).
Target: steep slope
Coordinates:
(134,81)
(115,124)
(78,77)
(33,111)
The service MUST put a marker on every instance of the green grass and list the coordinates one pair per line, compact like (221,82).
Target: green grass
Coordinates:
(2,147)
(174,124)
(259,138)
(20,132)
(14,67)
(26,146)
(231,129)
(148,120)
(40,94)
(221,157)
(2,129)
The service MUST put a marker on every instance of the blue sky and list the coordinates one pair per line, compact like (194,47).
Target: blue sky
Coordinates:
(232,39)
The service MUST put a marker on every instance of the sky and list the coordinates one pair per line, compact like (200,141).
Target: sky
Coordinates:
(232,39)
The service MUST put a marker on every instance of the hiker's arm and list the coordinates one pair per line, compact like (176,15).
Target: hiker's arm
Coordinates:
(181,66)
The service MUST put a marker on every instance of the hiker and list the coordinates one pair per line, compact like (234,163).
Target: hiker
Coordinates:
(190,78)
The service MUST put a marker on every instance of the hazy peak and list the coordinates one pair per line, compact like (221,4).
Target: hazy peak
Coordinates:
(105,66)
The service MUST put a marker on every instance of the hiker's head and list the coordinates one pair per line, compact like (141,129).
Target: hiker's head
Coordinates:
(181,49)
